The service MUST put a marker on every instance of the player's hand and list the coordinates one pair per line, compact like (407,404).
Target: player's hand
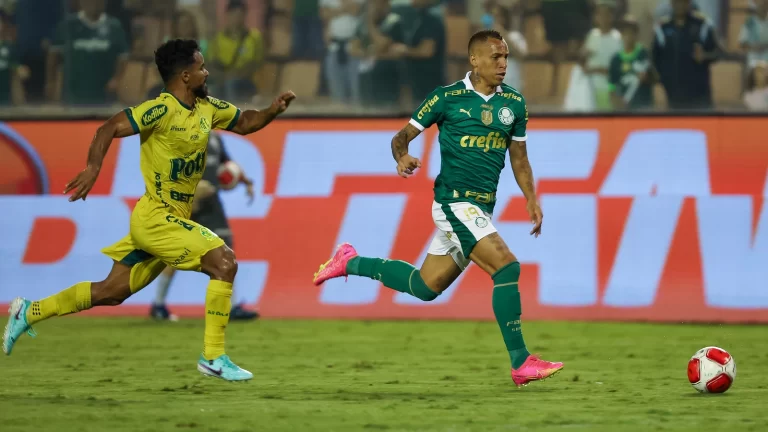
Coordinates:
(82,183)
(249,189)
(280,104)
(534,212)
(406,165)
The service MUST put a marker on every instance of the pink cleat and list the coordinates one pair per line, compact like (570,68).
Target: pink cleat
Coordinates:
(337,265)
(535,369)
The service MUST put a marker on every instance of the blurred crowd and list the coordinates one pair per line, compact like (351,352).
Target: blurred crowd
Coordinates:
(575,55)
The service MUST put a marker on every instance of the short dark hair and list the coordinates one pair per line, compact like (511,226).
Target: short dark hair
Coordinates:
(175,55)
(483,36)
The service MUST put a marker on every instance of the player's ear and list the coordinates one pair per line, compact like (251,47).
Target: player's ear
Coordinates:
(185,76)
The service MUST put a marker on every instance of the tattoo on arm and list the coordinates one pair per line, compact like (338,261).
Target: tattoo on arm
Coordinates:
(401,139)
(521,167)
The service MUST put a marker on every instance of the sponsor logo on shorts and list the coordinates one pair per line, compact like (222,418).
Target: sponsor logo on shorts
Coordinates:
(481,222)
(173,219)
(181,258)
(207,234)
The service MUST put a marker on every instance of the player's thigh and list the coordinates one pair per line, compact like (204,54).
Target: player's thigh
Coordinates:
(133,268)
(491,253)
(178,242)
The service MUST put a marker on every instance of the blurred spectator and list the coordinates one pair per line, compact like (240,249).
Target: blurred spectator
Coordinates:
(12,74)
(754,33)
(684,48)
(503,23)
(602,43)
(307,31)
(36,22)
(566,22)
(756,96)
(631,75)
(92,48)
(235,54)
(645,12)
(184,26)
(379,65)
(424,51)
(341,18)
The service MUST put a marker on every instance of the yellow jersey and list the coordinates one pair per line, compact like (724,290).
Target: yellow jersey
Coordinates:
(174,139)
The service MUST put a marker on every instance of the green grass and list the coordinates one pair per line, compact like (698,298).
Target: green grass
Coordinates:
(89,374)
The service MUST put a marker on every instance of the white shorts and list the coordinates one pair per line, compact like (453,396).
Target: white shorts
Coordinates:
(461,225)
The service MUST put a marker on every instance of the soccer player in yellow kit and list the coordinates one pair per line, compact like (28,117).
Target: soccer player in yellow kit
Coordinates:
(174,131)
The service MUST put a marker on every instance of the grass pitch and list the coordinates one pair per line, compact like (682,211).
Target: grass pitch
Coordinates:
(117,374)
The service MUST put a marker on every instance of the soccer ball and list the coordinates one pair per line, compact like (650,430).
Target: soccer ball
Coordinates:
(711,370)
(230,174)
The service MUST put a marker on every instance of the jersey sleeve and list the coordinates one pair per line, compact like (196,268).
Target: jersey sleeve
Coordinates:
(225,115)
(429,112)
(519,132)
(147,116)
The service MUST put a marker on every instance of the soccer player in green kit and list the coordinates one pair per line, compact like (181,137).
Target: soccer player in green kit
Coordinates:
(479,119)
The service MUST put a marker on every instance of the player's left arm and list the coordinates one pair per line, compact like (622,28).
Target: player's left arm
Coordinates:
(250,121)
(521,167)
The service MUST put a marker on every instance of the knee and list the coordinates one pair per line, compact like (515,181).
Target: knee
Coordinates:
(109,293)
(222,266)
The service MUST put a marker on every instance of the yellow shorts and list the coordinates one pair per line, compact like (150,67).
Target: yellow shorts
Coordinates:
(158,238)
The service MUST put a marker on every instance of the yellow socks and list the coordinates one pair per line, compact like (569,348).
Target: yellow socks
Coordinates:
(217,308)
(73,299)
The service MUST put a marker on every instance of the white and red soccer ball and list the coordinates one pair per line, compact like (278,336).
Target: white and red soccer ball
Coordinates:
(230,175)
(711,370)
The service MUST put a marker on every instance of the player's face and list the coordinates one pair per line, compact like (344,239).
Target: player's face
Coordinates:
(236,18)
(489,60)
(196,77)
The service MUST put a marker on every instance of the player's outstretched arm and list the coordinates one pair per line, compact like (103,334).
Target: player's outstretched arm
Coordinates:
(251,121)
(118,126)
(521,167)
(406,163)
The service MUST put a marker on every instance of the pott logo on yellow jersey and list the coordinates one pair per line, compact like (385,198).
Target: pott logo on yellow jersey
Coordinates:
(494,140)
(187,167)
(153,114)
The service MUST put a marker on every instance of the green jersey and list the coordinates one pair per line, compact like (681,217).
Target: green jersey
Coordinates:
(475,131)
(90,51)
(623,75)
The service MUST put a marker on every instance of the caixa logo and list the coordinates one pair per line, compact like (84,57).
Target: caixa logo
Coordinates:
(22,172)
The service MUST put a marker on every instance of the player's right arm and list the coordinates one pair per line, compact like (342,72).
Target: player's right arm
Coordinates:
(117,126)
(428,113)
(131,121)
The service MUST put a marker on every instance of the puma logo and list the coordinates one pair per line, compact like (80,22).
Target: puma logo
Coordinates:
(468,113)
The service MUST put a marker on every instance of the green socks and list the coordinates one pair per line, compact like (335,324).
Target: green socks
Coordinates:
(397,275)
(507,308)
(403,277)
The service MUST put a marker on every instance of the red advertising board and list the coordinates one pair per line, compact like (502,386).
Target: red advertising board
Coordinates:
(656,219)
